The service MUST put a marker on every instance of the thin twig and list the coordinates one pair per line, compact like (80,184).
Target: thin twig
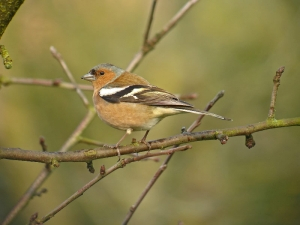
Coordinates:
(6,81)
(63,64)
(100,176)
(197,122)
(276,82)
(146,36)
(90,141)
(156,38)
(43,144)
(154,159)
(144,193)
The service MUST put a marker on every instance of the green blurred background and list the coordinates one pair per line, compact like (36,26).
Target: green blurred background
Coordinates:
(232,45)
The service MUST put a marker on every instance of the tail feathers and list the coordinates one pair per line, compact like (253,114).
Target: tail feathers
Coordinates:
(202,113)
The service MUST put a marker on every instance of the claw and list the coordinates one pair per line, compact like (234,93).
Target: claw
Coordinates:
(146,143)
(114,147)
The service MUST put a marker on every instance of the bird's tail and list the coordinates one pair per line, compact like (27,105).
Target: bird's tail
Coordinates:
(196,111)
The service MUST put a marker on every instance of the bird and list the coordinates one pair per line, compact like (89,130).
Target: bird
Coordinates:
(129,102)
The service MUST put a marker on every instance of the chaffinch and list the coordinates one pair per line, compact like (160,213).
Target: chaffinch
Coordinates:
(128,102)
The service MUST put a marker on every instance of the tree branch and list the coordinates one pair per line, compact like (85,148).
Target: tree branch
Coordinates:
(197,122)
(146,36)
(6,81)
(89,141)
(104,152)
(276,82)
(63,64)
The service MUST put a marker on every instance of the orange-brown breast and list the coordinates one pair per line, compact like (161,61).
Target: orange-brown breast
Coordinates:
(125,115)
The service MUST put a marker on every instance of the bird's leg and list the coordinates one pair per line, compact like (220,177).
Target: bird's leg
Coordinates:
(128,131)
(116,146)
(143,140)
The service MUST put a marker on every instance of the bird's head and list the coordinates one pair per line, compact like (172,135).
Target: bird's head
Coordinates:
(103,74)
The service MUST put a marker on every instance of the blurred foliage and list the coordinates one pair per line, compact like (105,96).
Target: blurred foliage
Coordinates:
(232,45)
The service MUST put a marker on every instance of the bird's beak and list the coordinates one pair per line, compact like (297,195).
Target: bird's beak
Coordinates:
(88,77)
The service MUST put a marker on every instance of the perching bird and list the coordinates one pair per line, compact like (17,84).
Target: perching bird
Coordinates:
(128,102)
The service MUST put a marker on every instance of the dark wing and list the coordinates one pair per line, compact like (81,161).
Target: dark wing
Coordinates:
(142,94)
(149,95)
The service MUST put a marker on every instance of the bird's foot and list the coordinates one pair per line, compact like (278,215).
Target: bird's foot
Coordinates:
(143,140)
(114,147)
(146,143)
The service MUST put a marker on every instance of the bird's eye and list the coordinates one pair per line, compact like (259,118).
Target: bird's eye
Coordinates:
(102,72)
(92,71)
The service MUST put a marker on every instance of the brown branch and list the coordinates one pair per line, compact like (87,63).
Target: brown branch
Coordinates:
(276,82)
(105,152)
(43,144)
(90,141)
(6,81)
(103,173)
(144,193)
(63,64)
(146,36)
(157,37)
(197,122)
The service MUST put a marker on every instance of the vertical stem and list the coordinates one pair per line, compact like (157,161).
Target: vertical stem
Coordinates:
(276,82)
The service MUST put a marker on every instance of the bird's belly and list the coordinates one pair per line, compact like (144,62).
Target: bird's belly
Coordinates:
(127,115)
